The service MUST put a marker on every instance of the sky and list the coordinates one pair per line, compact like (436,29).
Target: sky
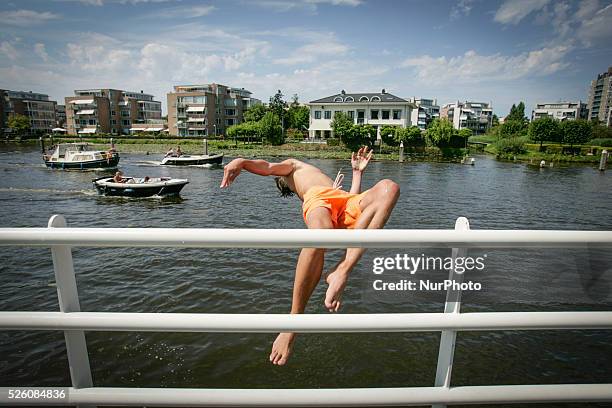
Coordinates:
(482,50)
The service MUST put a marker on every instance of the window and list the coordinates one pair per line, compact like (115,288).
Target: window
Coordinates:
(327,114)
(364,98)
(375,99)
(125,122)
(337,99)
(114,131)
(397,114)
(83,122)
(374,114)
(317,114)
(92,122)
(125,114)
(351,114)
(113,113)
(113,121)
(349,99)
(385,114)
(230,112)
(229,122)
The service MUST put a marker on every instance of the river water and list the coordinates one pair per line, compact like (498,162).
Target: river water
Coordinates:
(492,194)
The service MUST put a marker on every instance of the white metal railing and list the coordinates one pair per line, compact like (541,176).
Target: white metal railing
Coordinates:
(74,322)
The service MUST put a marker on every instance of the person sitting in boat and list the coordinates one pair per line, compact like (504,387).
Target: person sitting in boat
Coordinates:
(119,177)
(145,179)
(179,152)
(171,153)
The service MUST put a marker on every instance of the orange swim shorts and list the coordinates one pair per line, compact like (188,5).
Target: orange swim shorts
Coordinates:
(344,207)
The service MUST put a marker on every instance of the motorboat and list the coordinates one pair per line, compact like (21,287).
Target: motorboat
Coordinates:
(80,156)
(191,159)
(139,187)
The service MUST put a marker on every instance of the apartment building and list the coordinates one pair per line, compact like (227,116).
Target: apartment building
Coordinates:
(36,106)
(111,111)
(426,110)
(560,110)
(60,115)
(376,109)
(476,116)
(207,109)
(600,98)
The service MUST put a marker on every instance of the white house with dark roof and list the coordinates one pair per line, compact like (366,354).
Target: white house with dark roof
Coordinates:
(376,109)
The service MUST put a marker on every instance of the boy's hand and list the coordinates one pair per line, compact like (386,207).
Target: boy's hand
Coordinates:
(230,172)
(360,160)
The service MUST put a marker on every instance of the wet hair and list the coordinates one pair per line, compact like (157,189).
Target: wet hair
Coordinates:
(283,187)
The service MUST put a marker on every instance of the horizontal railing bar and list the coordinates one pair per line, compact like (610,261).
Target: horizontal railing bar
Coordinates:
(297,238)
(304,323)
(406,396)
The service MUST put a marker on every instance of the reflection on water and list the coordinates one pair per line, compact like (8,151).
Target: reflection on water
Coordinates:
(491,194)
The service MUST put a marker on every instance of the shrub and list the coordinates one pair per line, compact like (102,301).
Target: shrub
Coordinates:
(511,145)
(333,142)
(604,142)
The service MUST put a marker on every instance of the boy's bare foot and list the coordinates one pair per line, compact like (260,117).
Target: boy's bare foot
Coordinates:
(337,282)
(281,348)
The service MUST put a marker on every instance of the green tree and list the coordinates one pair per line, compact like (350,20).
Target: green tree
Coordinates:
(575,131)
(512,128)
(495,120)
(298,117)
(277,105)
(270,129)
(341,124)
(411,136)
(244,131)
(387,134)
(440,132)
(19,123)
(517,112)
(255,113)
(544,130)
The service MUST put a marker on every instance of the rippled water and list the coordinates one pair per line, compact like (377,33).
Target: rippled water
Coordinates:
(493,195)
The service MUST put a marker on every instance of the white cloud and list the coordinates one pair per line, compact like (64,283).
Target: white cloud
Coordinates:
(596,27)
(474,68)
(461,8)
(513,11)
(306,5)
(26,17)
(7,49)
(102,2)
(312,52)
(184,11)
(39,49)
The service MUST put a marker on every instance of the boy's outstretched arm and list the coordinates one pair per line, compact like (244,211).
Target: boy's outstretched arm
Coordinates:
(259,167)
(359,162)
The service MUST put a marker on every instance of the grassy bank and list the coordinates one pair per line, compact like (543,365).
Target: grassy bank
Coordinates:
(549,152)
(292,149)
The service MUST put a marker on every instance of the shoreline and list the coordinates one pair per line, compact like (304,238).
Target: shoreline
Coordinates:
(315,151)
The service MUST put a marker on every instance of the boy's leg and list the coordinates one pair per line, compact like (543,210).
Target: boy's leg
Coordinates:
(307,275)
(376,207)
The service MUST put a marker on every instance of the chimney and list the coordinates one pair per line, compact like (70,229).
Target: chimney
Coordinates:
(343,92)
(383,91)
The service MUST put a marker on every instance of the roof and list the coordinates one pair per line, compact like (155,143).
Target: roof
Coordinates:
(356,97)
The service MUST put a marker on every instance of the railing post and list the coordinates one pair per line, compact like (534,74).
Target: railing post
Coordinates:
(452,305)
(76,347)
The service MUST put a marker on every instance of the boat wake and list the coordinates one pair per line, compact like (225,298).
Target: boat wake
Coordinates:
(47,191)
